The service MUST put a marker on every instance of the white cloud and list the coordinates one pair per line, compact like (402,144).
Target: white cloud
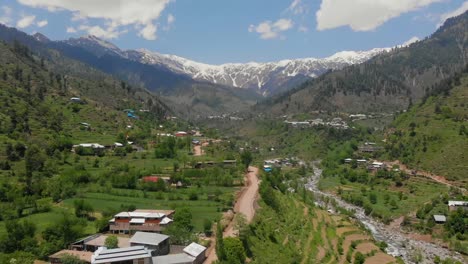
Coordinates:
(410,41)
(271,30)
(42,23)
(303,29)
(5,18)
(297,7)
(117,13)
(364,15)
(148,32)
(25,21)
(71,30)
(108,33)
(462,9)
(170,19)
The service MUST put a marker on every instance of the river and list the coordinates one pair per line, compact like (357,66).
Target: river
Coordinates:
(399,245)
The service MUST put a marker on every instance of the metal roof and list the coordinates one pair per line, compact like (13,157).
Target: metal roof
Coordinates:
(103,255)
(137,221)
(165,221)
(440,218)
(181,258)
(194,249)
(457,203)
(146,238)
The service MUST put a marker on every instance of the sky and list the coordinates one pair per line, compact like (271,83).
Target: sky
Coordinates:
(223,31)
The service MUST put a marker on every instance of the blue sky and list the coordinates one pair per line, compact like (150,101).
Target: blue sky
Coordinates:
(221,31)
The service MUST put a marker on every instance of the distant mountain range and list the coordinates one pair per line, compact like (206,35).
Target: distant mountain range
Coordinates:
(263,78)
(388,82)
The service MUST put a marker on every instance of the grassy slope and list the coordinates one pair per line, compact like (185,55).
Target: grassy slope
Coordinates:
(446,151)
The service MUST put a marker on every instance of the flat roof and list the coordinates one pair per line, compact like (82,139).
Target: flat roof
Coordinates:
(194,249)
(181,258)
(100,241)
(146,238)
(82,255)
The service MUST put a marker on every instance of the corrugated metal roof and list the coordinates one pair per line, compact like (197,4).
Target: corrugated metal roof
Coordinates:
(146,238)
(103,255)
(181,258)
(194,249)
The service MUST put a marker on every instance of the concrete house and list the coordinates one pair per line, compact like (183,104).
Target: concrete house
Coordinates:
(158,244)
(192,254)
(454,205)
(141,220)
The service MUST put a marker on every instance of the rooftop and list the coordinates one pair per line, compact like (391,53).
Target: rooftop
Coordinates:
(194,249)
(440,218)
(146,238)
(104,255)
(181,258)
(100,241)
(82,255)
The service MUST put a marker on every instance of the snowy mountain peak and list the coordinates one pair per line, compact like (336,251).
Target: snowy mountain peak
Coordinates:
(264,77)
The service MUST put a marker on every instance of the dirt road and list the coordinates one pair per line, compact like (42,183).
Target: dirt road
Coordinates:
(434,177)
(245,204)
(197,149)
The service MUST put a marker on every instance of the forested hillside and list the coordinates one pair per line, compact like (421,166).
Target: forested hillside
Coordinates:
(388,82)
(433,135)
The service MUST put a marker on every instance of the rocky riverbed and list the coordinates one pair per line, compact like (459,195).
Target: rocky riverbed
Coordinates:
(399,245)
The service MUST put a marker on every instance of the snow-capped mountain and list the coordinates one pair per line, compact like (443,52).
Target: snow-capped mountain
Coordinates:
(265,78)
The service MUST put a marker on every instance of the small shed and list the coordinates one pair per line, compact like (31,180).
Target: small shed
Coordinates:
(440,219)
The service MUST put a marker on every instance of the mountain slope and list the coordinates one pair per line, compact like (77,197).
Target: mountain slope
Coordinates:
(103,56)
(263,78)
(433,135)
(388,82)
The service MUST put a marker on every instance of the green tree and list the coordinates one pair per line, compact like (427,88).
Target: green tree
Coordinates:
(111,242)
(235,252)
(359,258)
(69,259)
(246,158)
(82,208)
(220,250)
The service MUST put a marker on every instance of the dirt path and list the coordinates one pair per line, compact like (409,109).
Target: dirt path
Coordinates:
(409,171)
(245,204)
(197,150)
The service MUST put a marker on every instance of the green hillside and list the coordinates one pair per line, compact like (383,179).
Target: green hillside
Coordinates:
(433,135)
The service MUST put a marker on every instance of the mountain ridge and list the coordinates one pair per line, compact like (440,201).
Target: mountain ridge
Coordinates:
(263,77)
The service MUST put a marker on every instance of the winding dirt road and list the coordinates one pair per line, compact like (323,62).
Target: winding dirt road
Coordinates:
(245,205)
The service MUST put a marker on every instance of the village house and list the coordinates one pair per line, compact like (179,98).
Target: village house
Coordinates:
(157,243)
(454,205)
(141,220)
(76,100)
(92,243)
(192,254)
(181,134)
